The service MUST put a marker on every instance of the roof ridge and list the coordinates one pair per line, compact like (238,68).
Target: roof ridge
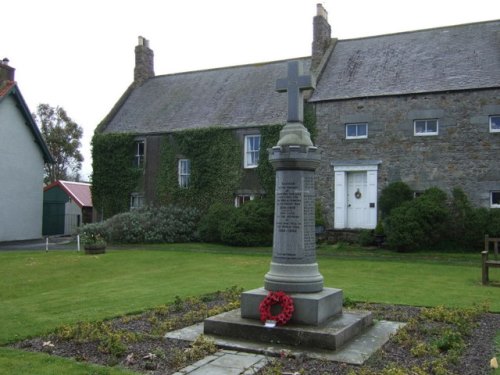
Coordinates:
(418,30)
(230,67)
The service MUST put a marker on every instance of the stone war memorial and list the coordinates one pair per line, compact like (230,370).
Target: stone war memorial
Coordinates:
(294,310)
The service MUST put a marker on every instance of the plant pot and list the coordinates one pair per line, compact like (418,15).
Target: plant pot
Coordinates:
(95,249)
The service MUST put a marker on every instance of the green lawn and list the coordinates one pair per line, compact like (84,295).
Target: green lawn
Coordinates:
(40,291)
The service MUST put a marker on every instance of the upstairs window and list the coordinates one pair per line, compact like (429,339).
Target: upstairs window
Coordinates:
(184,169)
(252,149)
(495,199)
(136,201)
(495,124)
(139,154)
(356,131)
(425,127)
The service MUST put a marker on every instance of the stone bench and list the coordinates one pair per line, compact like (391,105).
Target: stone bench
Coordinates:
(486,260)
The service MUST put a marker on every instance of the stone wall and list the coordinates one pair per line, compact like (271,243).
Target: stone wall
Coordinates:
(464,154)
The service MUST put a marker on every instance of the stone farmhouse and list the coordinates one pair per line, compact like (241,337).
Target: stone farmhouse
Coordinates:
(422,107)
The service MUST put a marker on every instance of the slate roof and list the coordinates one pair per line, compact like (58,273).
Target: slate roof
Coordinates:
(78,191)
(442,59)
(11,88)
(234,97)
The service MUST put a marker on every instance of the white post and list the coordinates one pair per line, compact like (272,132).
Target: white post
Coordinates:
(46,244)
(77,242)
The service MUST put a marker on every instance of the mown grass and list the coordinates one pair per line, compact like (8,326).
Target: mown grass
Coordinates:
(40,291)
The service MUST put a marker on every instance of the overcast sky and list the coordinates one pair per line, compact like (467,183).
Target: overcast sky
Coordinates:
(80,54)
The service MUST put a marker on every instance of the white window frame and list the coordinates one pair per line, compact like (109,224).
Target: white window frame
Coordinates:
(425,133)
(184,172)
(251,154)
(357,125)
(244,198)
(497,118)
(136,201)
(494,205)
(138,157)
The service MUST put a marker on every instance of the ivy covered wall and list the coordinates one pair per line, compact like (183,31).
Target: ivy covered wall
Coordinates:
(114,176)
(215,154)
(216,162)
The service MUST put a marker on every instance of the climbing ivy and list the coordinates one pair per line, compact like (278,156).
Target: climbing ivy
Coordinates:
(216,160)
(114,177)
(269,137)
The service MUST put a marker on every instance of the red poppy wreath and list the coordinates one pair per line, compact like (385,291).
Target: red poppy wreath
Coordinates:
(274,298)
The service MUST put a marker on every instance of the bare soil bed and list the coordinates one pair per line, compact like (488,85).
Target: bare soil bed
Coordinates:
(435,341)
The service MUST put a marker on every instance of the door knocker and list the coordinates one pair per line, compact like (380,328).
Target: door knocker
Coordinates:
(357,194)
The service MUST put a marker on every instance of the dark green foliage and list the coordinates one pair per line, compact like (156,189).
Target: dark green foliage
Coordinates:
(366,237)
(269,136)
(149,225)
(392,196)
(62,136)
(250,225)
(214,220)
(467,224)
(114,177)
(420,223)
(493,226)
(216,159)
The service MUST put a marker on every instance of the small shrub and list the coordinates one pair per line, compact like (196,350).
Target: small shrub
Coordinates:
(250,225)
(419,223)
(394,195)
(148,225)
(366,237)
(213,221)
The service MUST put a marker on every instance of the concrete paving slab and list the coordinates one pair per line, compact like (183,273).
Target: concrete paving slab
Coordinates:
(226,363)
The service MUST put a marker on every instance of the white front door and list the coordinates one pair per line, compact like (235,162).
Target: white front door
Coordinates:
(357,200)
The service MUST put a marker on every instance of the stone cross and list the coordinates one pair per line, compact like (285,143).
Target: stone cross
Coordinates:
(294,84)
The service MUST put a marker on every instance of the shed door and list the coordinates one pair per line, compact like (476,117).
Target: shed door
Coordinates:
(53,218)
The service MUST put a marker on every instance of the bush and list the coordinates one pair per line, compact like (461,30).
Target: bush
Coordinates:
(420,223)
(467,223)
(148,225)
(250,225)
(493,226)
(214,220)
(392,196)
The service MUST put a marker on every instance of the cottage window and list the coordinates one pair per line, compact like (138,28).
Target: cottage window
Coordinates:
(139,154)
(252,149)
(184,169)
(241,199)
(356,131)
(495,199)
(136,201)
(495,124)
(426,127)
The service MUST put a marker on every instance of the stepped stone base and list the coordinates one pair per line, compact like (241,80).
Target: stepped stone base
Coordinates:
(331,334)
(310,308)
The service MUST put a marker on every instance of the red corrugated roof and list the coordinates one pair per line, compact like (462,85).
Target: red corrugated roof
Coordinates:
(79,191)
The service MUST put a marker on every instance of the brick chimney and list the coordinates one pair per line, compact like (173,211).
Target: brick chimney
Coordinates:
(321,36)
(6,71)
(144,62)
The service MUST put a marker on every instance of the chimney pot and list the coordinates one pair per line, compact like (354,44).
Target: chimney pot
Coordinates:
(321,11)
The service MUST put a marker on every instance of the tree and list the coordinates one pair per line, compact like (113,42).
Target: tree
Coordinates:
(62,136)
